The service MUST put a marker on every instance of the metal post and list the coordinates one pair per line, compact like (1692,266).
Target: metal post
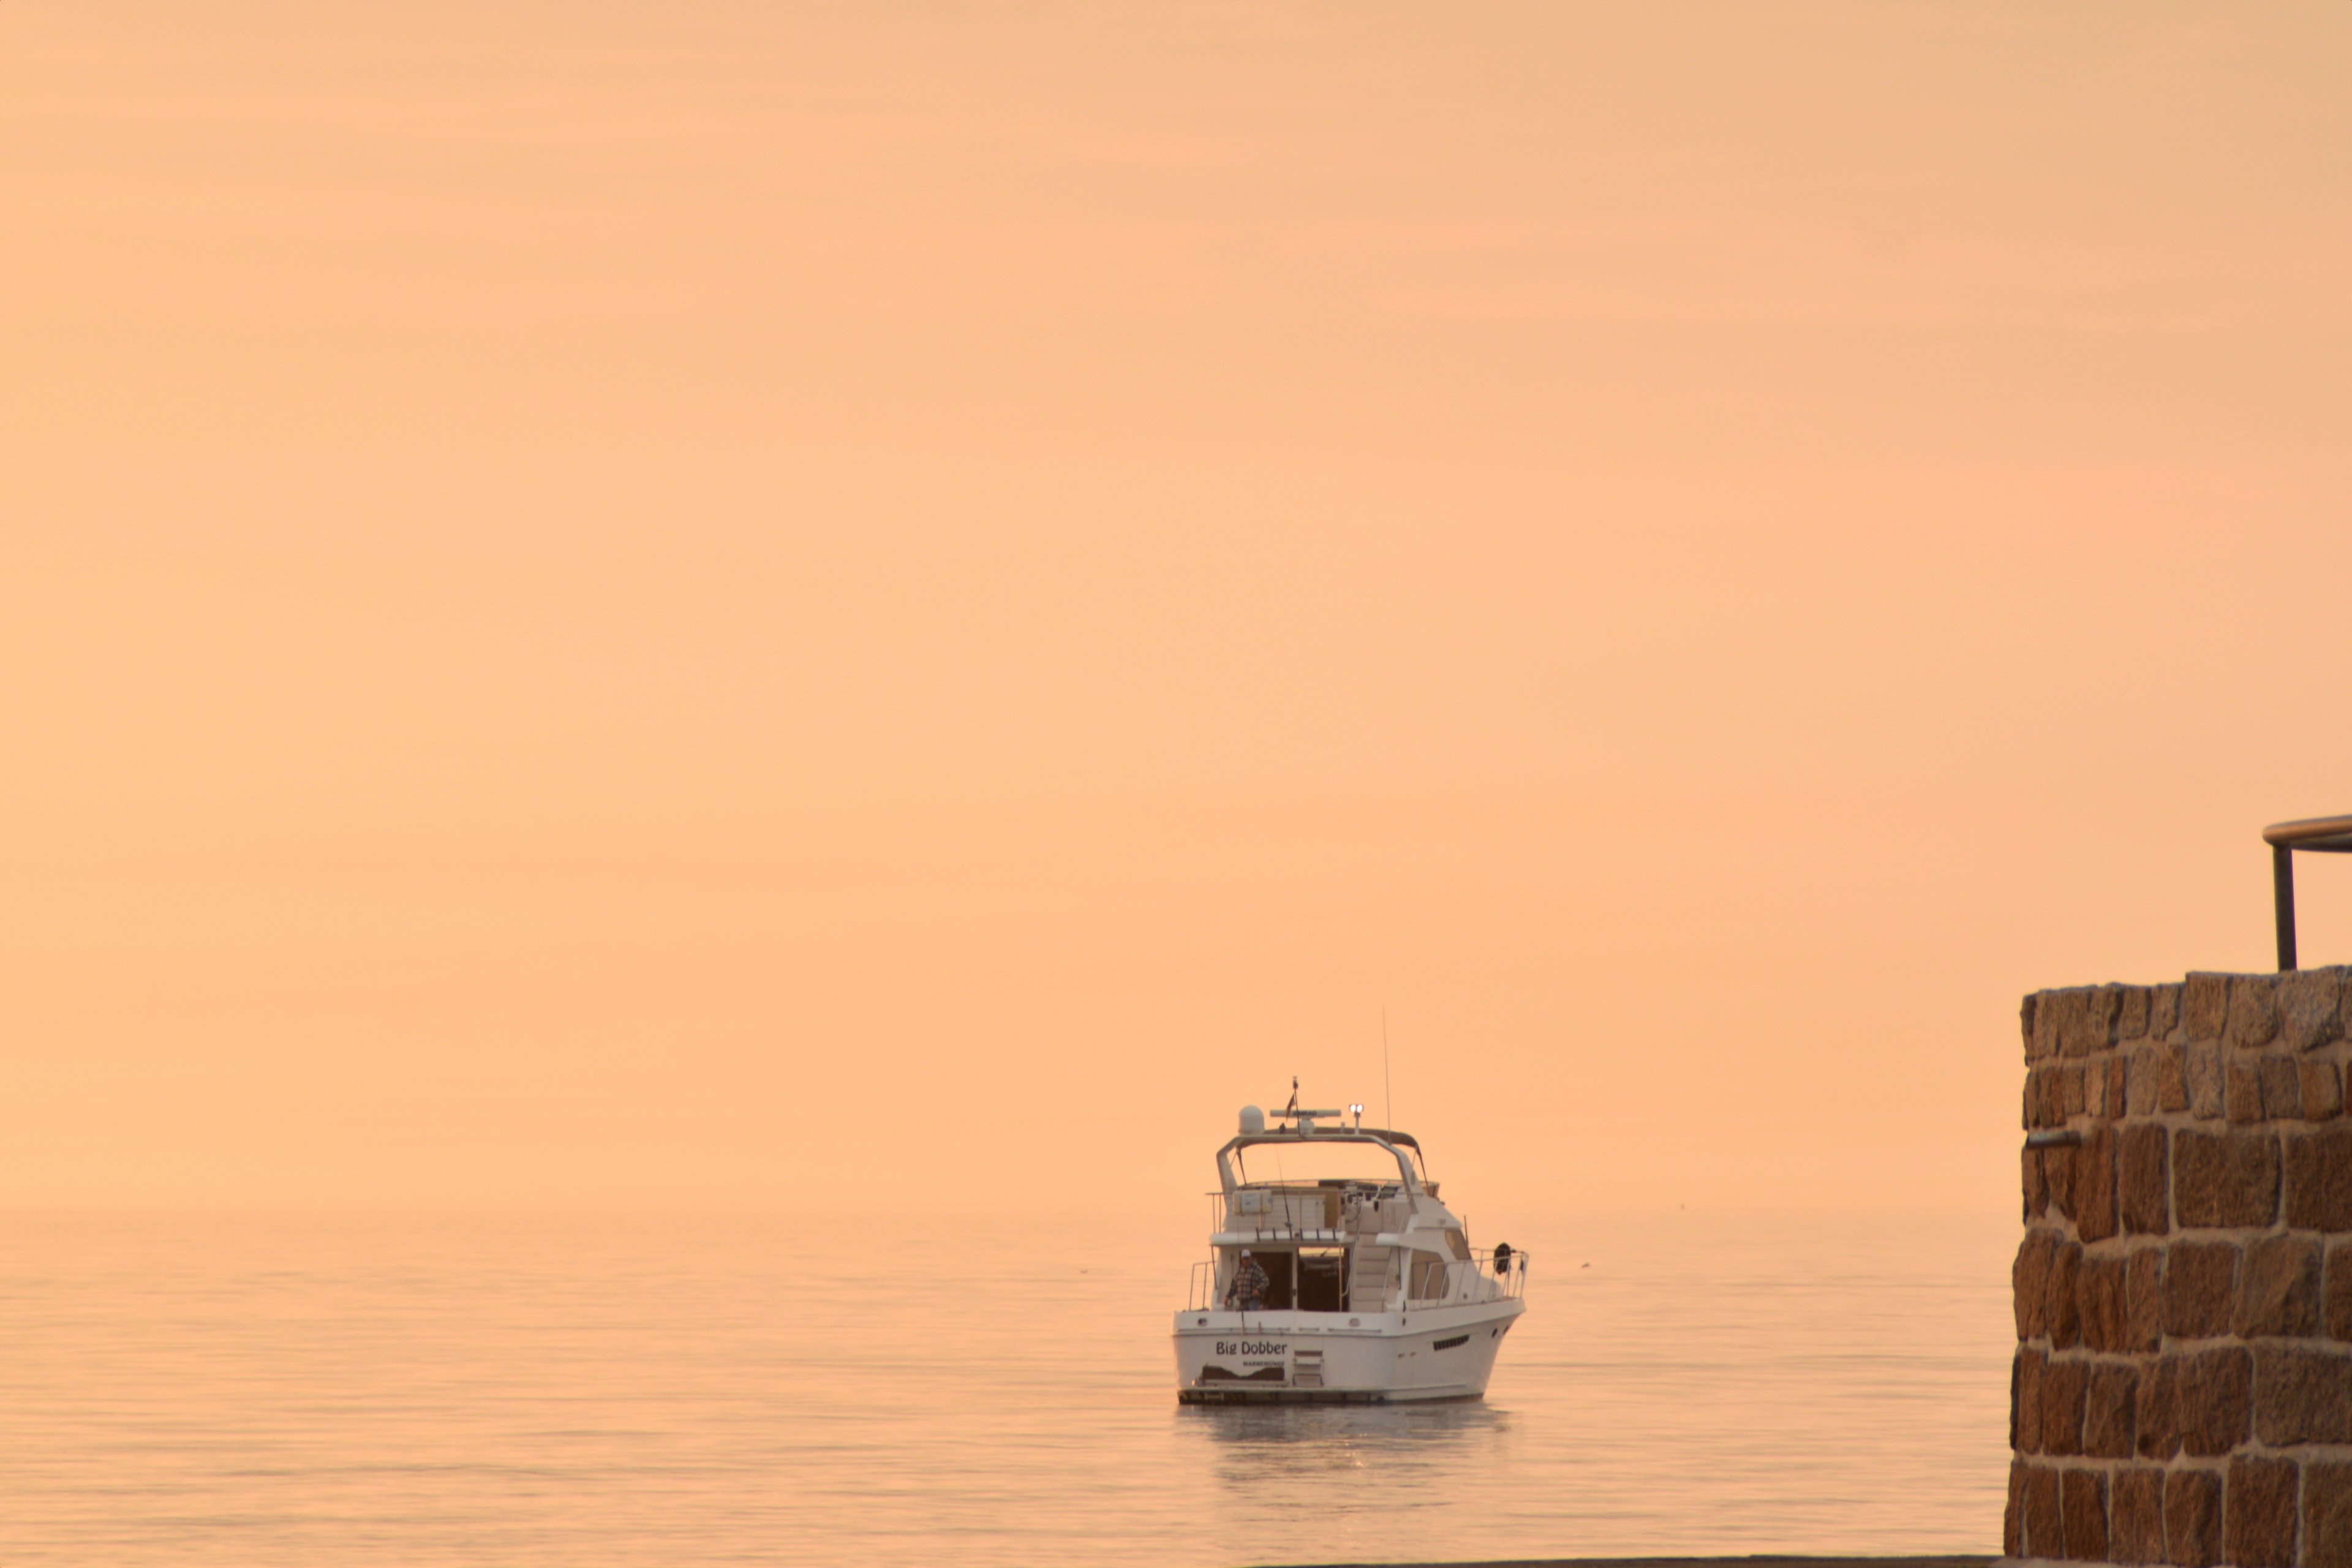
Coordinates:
(2283,895)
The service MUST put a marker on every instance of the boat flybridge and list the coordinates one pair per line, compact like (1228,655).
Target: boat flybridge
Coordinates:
(1359,1288)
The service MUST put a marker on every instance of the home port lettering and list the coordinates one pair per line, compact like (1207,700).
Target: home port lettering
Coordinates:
(1252,1347)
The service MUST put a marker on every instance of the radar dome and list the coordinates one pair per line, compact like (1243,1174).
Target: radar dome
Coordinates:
(1253,1118)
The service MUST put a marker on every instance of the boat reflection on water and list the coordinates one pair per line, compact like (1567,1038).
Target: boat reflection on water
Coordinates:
(1322,1436)
(1264,1455)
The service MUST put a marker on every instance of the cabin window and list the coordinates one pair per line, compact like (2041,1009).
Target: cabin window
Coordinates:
(1279,1277)
(1458,1244)
(1322,1280)
(1428,1276)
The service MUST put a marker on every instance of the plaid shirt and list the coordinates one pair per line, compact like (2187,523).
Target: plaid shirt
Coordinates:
(1249,1286)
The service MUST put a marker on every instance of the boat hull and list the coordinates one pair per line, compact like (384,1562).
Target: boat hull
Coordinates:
(1334,1358)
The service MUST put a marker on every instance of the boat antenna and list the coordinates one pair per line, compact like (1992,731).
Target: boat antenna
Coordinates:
(1290,1113)
(1388,1087)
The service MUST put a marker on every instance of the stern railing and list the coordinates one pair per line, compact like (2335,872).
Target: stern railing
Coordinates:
(1319,1212)
(1485,1282)
(1509,1283)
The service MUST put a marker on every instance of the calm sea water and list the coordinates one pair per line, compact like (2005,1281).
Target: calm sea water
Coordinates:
(636,1390)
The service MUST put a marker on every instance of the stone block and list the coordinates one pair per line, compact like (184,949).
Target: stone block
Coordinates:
(2225,1179)
(2083,1016)
(2245,1093)
(2061,1309)
(2099,1297)
(2012,1518)
(2025,1403)
(2118,1081)
(2327,1513)
(2323,1091)
(2094,1185)
(2131,1012)
(2278,1287)
(2025,1027)
(2058,1172)
(2204,1068)
(2282,1086)
(2086,1018)
(2059,1011)
(2204,1006)
(2192,1518)
(2254,1018)
(2163,1011)
(2039,1111)
(2105,1011)
(2029,1279)
(2319,1179)
(2074,1100)
(2309,1007)
(2042,1022)
(2172,1078)
(2037,1185)
(2063,1383)
(2158,1418)
(2201,1280)
(2212,1399)
(2140,1081)
(2110,1410)
(2042,1536)
(2083,1511)
(2136,1515)
(2258,1512)
(2337,1310)
(2144,1179)
(2143,1301)
(2303,1393)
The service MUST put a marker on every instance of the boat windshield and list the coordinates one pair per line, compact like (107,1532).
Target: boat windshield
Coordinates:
(1310,1162)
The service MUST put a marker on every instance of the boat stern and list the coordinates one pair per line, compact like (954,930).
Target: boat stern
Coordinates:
(1277,1358)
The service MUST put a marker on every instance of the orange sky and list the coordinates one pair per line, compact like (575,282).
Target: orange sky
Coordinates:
(643,604)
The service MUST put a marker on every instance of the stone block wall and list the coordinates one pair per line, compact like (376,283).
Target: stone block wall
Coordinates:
(2182,1390)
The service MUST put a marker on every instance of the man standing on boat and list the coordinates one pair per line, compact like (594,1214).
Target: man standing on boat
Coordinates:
(1248,1294)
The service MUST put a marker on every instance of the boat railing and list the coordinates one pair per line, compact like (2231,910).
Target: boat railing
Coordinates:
(1324,1212)
(1507,1282)
(1475,1279)
(1203,1296)
(1485,1282)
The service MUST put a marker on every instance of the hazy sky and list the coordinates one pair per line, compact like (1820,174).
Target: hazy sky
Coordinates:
(690,604)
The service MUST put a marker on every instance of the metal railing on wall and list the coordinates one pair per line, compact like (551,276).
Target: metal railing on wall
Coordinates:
(2319,834)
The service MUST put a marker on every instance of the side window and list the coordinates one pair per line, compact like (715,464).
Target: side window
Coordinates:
(1428,1276)
(1458,1244)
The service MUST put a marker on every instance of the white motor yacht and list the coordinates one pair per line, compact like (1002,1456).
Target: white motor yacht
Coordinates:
(1356,1288)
